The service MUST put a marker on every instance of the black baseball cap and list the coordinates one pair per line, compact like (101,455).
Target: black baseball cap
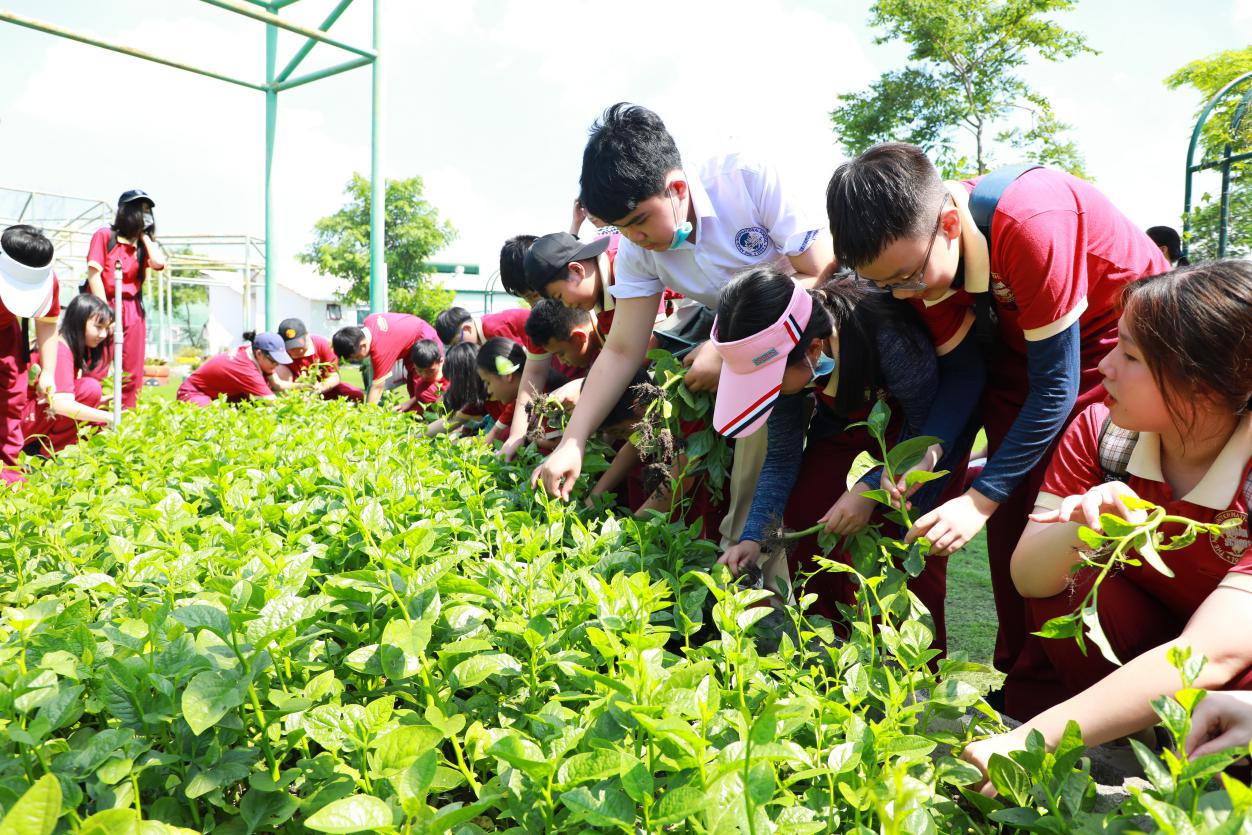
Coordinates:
(133,195)
(293,332)
(550,255)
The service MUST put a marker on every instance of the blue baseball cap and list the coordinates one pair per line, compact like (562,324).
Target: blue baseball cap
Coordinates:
(272,344)
(133,195)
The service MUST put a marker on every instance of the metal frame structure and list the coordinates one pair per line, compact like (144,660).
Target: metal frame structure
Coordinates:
(1222,163)
(276,81)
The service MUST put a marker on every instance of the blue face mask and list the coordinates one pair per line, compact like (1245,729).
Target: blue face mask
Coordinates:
(825,366)
(681,231)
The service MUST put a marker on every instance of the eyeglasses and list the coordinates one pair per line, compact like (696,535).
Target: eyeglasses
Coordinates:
(915,281)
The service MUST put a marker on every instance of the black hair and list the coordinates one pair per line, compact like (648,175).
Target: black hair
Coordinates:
(497,347)
(128,221)
(448,323)
(891,191)
(551,320)
(27,245)
(628,407)
(465,388)
(425,353)
(856,309)
(626,160)
(1167,237)
(82,309)
(512,260)
(347,341)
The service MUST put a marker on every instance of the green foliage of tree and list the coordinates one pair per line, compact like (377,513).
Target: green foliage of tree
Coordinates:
(341,246)
(1222,130)
(963,81)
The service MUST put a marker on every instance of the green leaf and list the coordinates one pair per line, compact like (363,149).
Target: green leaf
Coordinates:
(208,698)
(1095,633)
(591,766)
(923,476)
(359,813)
(908,452)
(414,782)
(474,671)
(267,809)
(400,748)
(36,811)
(1009,778)
(203,616)
(677,805)
(1065,626)
(603,807)
(1144,548)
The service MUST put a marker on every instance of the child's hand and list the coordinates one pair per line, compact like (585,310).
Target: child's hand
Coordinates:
(979,753)
(704,367)
(901,491)
(1086,508)
(849,515)
(1220,721)
(740,555)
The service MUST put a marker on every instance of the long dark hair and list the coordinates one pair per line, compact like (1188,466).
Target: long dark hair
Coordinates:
(855,309)
(82,309)
(1193,327)
(128,223)
(465,388)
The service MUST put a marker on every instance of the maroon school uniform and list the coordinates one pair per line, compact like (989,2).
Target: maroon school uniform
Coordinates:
(235,376)
(1061,253)
(511,324)
(392,337)
(14,382)
(320,362)
(1139,607)
(134,325)
(55,432)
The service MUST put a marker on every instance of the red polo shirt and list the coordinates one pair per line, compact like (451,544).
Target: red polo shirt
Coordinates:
(124,251)
(321,355)
(392,336)
(234,375)
(1061,253)
(1205,563)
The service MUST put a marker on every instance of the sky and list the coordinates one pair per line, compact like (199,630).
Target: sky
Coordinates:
(489,101)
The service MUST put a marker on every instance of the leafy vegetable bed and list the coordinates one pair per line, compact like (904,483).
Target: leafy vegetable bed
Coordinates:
(305,617)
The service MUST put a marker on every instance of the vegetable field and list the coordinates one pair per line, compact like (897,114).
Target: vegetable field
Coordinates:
(306,617)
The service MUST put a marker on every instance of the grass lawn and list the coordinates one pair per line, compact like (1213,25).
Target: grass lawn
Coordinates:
(971,608)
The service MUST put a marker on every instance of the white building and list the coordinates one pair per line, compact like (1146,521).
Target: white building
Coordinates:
(301,293)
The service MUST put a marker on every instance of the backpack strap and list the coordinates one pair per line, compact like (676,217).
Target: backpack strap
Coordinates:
(986,195)
(1115,447)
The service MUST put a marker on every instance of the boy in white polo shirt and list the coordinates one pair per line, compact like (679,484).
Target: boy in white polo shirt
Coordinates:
(686,229)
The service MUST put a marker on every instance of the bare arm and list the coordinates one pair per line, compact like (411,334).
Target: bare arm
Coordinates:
(375,393)
(282,380)
(1121,703)
(815,262)
(332,380)
(64,404)
(534,378)
(622,356)
(95,284)
(46,337)
(156,255)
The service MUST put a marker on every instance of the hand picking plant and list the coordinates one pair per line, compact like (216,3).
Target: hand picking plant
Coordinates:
(1121,543)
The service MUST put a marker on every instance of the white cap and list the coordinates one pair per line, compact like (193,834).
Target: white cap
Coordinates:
(24,290)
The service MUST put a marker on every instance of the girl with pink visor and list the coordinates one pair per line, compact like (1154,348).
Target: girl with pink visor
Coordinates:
(810,363)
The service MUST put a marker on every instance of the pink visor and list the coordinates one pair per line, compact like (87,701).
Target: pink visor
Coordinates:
(753,368)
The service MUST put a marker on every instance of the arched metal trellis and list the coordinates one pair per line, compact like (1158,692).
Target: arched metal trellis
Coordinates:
(1222,163)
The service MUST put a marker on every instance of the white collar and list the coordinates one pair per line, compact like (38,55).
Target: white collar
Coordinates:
(1219,485)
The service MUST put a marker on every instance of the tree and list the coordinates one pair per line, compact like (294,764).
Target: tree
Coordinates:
(341,247)
(962,81)
(1208,76)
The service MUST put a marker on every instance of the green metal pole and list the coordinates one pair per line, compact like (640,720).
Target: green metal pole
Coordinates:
(326,72)
(271,118)
(1191,146)
(378,186)
(271,19)
(40,26)
(308,45)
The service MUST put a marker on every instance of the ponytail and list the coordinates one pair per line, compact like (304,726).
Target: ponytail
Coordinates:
(249,336)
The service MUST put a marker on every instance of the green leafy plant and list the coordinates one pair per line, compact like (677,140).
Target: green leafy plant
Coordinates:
(1121,543)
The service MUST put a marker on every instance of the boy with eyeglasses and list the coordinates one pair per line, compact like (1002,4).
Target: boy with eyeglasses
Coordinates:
(1060,254)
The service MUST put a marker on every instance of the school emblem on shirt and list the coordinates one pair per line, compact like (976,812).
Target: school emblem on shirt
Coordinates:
(1003,293)
(1233,542)
(752,241)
